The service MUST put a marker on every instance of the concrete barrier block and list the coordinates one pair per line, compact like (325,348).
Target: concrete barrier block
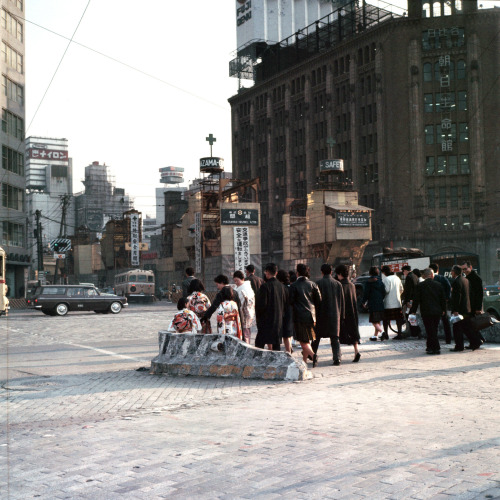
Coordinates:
(222,356)
(492,334)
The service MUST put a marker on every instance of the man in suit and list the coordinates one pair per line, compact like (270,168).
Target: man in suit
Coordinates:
(443,281)
(460,304)
(409,287)
(255,281)
(270,302)
(189,277)
(429,295)
(475,292)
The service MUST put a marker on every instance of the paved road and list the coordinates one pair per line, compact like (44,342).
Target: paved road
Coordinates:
(79,421)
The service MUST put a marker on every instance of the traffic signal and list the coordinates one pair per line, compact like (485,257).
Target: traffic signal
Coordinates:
(57,247)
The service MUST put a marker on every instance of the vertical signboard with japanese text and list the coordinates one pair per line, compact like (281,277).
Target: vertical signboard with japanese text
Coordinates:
(241,248)
(134,240)
(197,241)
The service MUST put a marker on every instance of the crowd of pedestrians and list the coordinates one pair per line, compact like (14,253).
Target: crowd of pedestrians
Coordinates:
(288,306)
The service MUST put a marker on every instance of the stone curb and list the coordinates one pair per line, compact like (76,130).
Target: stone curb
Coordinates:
(222,356)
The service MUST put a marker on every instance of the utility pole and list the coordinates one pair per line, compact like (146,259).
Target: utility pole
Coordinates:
(39,246)
(65,201)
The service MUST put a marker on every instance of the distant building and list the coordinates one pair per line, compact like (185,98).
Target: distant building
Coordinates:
(409,100)
(13,217)
(101,201)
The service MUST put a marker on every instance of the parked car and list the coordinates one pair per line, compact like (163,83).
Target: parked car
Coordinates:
(59,299)
(108,290)
(491,290)
(491,304)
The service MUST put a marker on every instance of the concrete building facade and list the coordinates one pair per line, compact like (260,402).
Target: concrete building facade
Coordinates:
(409,102)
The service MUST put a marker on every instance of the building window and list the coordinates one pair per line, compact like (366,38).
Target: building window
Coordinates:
(441,165)
(464,164)
(18,4)
(429,165)
(453,197)
(466,220)
(13,234)
(12,197)
(12,58)
(445,102)
(462,100)
(465,197)
(431,198)
(12,124)
(443,222)
(12,161)
(463,132)
(442,197)
(454,222)
(461,71)
(427,72)
(448,131)
(428,103)
(429,134)
(12,25)
(12,90)
(452,165)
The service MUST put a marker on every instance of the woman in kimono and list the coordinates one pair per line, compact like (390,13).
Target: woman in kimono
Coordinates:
(198,302)
(185,321)
(247,303)
(228,318)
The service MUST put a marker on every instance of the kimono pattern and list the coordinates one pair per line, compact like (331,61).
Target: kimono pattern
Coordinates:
(247,301)
(185,321)
(228,319)
(199,303)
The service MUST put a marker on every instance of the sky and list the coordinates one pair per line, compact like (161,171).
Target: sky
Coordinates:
(161,90)
(140,87)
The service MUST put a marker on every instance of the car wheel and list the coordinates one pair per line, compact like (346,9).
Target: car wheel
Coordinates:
(494,313)
(61,309)
(115,307)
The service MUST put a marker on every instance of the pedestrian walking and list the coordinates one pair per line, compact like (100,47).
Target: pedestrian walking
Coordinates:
(429,295)
(373,299)
(228,317)
(270,304)
(409,287)
(247,304)
(189,272)
(475,291)
(185,321)
(330,313)
(349,326)
(445,284)
(254,280)
(287,329)
(305,298)
(392,302)
(199,303)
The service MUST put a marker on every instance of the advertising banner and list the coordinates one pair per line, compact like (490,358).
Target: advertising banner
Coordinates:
(239,217)
(350,218)
(241,248)
(197,242)
(134,240)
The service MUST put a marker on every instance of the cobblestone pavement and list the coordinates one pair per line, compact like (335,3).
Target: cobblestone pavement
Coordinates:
(79,421)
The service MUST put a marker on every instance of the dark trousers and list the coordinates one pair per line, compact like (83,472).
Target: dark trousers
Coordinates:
(431,324)
(334,342)
(262,345)
(462,328)
(399,323)
(447,328)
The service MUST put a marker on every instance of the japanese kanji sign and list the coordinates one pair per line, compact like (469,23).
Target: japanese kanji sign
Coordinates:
(134,239)
(197,241)
(349,218)
(241,248)
(239,217)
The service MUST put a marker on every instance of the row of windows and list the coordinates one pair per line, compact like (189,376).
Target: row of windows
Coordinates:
(13,234)
(369,114)
(366,54)
(299,137)
(447,165)
(368,85)
(370,174)
(12,197)
(319,102)
(446,131)
(370,201)
(320,130)
(12,161)
(452,223)
(12,58)
(298,85)
(441,69)
(12,90)
(318,76)
(341,66)
(261,102)
(343,122)
(369,144)
(443,38)
(438,9)
(444,102)
(11,25)
(443,197)
(12,124)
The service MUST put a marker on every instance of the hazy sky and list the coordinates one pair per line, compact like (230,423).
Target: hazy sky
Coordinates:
(148,87)
(118,115)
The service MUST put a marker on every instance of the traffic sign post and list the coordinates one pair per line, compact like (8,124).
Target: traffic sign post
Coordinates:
(60,245)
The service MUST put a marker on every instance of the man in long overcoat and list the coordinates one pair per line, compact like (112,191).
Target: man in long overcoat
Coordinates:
(330,313)
(270,303)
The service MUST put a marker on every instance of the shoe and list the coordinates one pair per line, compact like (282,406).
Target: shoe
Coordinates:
(291,350)
(397,337)
(356,358)
(433,352)
(385,336)
(315,360)
(456,349)
(473,348)
(374,338)
(336,362)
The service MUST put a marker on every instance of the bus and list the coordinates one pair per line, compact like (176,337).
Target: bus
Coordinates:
(137,285)
(4,301)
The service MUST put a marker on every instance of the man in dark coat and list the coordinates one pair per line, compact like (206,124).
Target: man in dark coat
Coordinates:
(270,303)
(255,281)
(189,277)
(409,287)
(460,304)
(475,289)
(221,281)
(429,295)
(330,313)
(443,281)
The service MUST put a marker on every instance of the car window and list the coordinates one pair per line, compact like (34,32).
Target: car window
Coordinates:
(141,277)
(54,291)
(133,277)
(90,292)
(75,292)
(150,279)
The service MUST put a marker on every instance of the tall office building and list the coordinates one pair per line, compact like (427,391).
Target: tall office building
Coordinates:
(13,225)
(408,100)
